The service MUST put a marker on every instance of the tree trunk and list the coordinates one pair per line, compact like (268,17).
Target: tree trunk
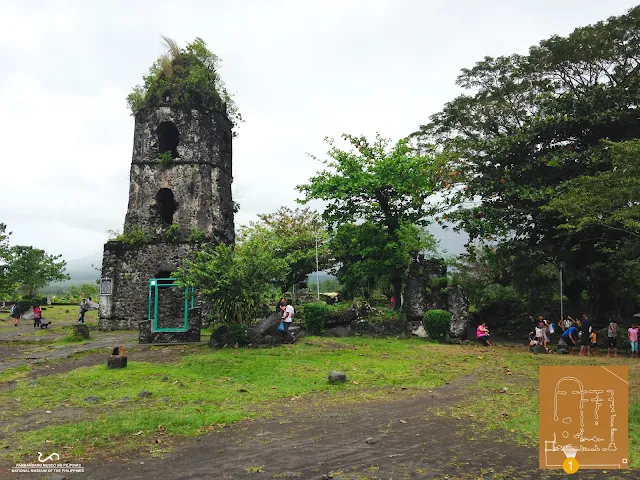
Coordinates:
(397,291)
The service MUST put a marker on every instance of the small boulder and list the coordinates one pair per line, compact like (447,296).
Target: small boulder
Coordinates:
(371,440)
(92,399)
(337,377)
(538,349)
(81,331)
(219,338)
(339,332)
(144,394)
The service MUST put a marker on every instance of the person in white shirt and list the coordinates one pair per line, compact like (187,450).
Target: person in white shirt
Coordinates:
(287,318)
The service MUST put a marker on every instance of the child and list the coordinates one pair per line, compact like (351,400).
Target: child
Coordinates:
(37,316)
(44,323)
(633,339)
(594,346)
(612,333)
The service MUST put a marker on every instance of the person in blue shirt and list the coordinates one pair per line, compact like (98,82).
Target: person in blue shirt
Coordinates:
(570,336)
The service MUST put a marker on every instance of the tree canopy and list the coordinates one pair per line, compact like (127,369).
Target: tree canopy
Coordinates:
(530,124)
(293,234)
(387,185)
(31,269)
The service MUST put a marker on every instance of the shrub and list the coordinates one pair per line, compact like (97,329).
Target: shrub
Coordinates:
(196,236)
(165,160)
(133,237)
(237,334)
(315,316)
(173,232)
(437,323)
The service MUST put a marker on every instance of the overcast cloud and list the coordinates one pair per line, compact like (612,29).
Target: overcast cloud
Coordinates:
(301,70)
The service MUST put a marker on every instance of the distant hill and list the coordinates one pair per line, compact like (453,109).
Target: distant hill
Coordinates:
(80,270)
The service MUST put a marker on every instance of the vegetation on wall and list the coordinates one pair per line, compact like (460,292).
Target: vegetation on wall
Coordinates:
(185,77)
(133,237)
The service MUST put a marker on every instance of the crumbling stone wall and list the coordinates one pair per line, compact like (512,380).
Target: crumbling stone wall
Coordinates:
(179,201)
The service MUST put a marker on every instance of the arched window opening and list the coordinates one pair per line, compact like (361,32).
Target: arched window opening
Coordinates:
(167,205)
(164,274)
(168,139)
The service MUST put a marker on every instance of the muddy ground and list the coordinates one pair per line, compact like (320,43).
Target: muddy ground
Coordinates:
(403,439)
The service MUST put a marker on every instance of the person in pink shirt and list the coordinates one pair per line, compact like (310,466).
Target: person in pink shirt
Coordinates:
(483,334)
(633,339)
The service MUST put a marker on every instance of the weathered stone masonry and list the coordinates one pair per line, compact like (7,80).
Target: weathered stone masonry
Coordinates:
(171,202)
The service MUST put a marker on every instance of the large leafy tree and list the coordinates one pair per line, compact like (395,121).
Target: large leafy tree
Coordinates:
(376,182)
(237,281)
(367,256)
(31,269)
(292,234)
(529,124)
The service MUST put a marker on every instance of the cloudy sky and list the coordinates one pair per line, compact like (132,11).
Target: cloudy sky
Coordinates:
(301,70)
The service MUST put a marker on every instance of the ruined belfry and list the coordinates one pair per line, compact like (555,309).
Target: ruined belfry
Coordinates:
(179,202)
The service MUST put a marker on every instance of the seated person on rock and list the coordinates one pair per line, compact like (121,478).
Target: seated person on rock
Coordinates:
(483,334)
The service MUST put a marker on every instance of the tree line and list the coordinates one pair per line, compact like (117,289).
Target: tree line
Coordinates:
(24,269)
(537,161)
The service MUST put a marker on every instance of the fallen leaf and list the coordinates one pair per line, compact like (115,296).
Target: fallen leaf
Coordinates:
(48,411)
(355,383)
(507,373)
(162,428)
(139,433)
(403,421)
(275,388)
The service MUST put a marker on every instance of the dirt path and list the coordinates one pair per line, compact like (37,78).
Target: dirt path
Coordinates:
(408,439)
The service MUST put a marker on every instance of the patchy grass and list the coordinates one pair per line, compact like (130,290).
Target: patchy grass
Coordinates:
(204,390)
(12,374)
(68,313)
(517,409)
(209,388)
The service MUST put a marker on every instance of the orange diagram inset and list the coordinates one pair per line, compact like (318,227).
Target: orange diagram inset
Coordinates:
(584,415)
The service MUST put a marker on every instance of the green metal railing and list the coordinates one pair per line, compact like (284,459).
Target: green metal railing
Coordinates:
(189,297)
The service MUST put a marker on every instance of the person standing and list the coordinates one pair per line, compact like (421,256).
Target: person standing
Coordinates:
(15,314)
(612,334)
(37,316)
(84,308)
(585,348)
(287,318)
(280,304)
(633,339)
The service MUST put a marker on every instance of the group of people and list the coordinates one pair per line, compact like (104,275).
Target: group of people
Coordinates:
(287,311)
(581,331)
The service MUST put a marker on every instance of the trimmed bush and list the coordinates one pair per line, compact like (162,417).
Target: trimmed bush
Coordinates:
(437,323)
(315,316)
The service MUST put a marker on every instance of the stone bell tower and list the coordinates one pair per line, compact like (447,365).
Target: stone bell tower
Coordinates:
(179,201)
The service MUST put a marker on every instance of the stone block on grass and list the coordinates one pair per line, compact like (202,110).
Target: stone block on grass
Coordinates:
(337,377)
(81,331)
(117,362)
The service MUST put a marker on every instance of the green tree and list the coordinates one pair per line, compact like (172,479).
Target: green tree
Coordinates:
(368,256)
(31,269)
(237,281)
(6,285)
(292,236)
(388,186)
(532,123)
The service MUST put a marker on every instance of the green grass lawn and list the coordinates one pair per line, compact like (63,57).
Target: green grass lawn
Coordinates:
(208,388)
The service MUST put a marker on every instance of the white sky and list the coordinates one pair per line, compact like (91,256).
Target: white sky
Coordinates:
(301,70)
